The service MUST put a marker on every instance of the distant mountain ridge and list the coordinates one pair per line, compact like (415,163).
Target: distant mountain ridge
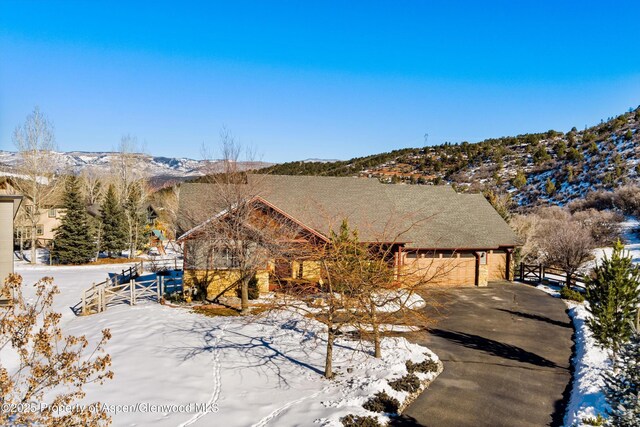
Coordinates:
(159,169)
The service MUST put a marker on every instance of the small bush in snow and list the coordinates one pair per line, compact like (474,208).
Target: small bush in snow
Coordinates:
(425,366)
(409,383)
(382,402)
(359,421)
(570,294)
(594,421)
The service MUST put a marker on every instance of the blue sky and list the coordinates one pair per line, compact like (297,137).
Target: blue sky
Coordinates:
(296,80)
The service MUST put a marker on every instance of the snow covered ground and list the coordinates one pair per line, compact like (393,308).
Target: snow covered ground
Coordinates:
(587,399)
(589,362)
(259,371)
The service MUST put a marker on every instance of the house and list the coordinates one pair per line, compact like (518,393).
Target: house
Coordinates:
(431,227)
(48,218)
(9,205)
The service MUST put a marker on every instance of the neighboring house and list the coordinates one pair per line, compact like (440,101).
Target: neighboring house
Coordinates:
(459,235)
(9,205)
(49,219)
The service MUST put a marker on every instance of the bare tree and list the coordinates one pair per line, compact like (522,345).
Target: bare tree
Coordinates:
(567,245)
(132,189)
(92,186)
(359,287)
(235,235)
(35,141)
(51,368)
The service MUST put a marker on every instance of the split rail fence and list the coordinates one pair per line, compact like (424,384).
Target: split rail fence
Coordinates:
(541,274)
(122,289)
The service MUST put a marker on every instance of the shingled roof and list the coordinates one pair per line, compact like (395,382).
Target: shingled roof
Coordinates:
(421,216)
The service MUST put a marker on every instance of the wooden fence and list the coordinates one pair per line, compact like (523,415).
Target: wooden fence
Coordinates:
(163,264)
(542,274)
(97,298)
(121,288)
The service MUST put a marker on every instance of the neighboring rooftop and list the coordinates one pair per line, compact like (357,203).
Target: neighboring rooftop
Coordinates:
(423,216)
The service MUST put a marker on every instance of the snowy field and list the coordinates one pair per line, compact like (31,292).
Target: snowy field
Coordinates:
(257,372)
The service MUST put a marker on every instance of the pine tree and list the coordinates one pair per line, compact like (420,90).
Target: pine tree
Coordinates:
(520,180)
(549,187)
(613,294)
(73,243)
(114,234)
(622,386)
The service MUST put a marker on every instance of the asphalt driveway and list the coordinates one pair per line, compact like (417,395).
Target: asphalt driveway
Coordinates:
(506,351)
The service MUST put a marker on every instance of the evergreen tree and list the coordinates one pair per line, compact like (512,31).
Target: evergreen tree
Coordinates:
(622,386)
(73,243)
(520,180)
(114,234)
(613,294)
(549,187)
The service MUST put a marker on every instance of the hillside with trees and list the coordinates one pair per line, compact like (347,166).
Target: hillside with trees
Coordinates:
(539,168)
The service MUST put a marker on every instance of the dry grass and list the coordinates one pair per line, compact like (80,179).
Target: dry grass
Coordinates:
(216,311)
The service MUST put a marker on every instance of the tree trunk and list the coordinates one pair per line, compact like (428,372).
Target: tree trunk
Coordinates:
(244,295)
(376,332)
(328,362)
(33,244)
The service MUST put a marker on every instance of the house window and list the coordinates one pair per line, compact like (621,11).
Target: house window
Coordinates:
(300,270)
(24,232)
(203,255)
(39,229)
(52,213)
(225,258)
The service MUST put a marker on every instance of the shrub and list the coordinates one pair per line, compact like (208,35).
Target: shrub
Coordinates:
(254,291)
(382,402)
(409,383)
(359,421)
(594,421)
(570,294)
(425,366)
(174,297)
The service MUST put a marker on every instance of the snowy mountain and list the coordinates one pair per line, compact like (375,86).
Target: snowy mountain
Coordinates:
(157,168)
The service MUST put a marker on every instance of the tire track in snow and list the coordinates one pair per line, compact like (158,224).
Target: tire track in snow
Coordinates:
(273,415)
(217,380)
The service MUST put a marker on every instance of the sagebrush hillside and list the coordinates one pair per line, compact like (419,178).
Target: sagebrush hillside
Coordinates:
(550,167)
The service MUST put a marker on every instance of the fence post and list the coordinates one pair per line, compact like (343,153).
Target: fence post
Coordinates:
(84,302)
(132,286)
(540,272)
(159,286)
